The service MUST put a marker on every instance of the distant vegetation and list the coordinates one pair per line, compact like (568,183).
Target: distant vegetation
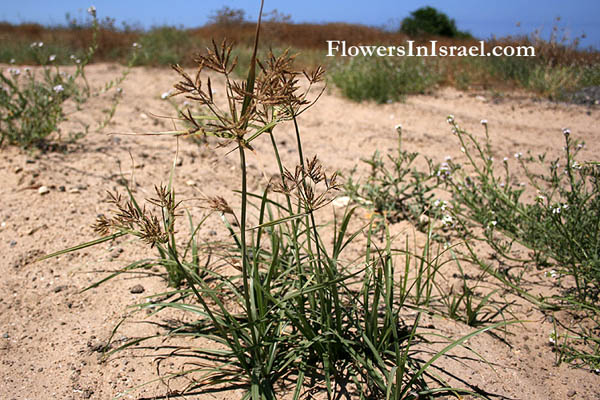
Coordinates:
(429,21)
(559,68)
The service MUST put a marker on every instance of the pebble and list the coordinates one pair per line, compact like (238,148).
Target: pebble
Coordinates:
(59,288)
(12,243)
(43,190)
(116,253)
(190,183)
(137,289)
(74,190)
(179,162)
(18,169)
(571,393)
(5,336)
(61,188)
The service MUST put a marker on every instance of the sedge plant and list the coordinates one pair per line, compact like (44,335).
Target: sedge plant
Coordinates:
(281,304)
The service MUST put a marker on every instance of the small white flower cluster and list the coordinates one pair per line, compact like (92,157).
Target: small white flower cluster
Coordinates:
(442,204)
(77,60)
(556,210)
(36,44)
(444,170)
(447,220)
(492,224)
(518,155)
(552,274)
(566,131)
(92,11)
(14,71)
(52,57)
(58,88)
(576,165)
(136,45)
(450,119)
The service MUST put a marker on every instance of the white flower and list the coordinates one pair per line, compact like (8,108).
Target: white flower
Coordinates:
(462,149)
(119,90)
(483,122)
(136,45)
(505,159)
(34,44)
(552,337)
(398,127)
(566,131)
(58,88)
(27,70)
(40,44)
(492,223)
(341,201)
(556,210)
(12,61)
(552,274)
(447,219)
(15,71)
(576,165)
(52,57)
(165,95)
(518,155)
(72,57)
(92,11)
(450,118)
(447,158)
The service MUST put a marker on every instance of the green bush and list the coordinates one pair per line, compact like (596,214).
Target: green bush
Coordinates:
(384,80)
(429,21)
(164,46)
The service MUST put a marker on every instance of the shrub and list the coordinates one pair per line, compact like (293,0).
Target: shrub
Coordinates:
(384,80)
(429,21)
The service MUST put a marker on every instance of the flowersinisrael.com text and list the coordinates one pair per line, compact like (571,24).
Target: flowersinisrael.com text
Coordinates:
(339,47)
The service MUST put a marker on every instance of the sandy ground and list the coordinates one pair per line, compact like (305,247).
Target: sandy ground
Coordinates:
(50,331)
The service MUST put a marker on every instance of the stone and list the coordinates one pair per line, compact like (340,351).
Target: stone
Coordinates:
(137,289)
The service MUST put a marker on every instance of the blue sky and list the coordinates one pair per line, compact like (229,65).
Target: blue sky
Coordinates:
(483,19)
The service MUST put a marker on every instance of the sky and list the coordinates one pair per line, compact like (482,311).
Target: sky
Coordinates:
(483,19)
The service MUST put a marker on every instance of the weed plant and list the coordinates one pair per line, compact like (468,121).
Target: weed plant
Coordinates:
(384,80)
(289,306)
(560,227)
(487,204)
(394,189)
(32,107)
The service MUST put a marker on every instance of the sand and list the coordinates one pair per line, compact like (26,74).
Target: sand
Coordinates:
(51,332)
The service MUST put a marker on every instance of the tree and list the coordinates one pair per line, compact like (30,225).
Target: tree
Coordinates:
(429,21)
(228,16)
